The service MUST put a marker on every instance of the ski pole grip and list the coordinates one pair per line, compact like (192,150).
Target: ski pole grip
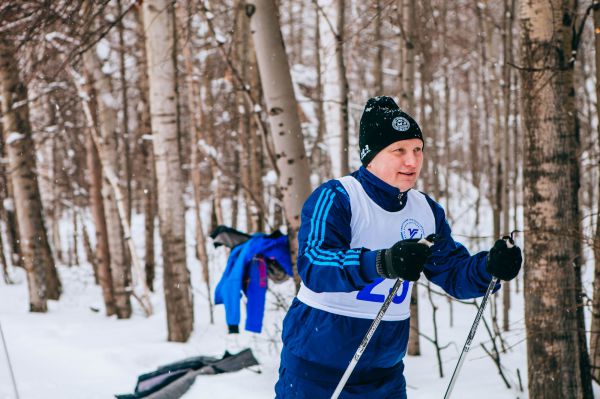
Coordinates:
(429,240)
(509,241)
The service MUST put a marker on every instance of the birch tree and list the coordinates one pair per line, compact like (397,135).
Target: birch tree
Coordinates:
(107,119)
(194,128)
(42,277)
(161,52)
(145,148)
(595,334)
(3,197)
(97,206)
(275,76)
(407,102)
(334,84)
(551,183)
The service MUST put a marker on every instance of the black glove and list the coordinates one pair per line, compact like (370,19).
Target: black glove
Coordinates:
(405,260)
(504,262)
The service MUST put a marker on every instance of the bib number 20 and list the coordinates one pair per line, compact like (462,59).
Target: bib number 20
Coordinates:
(366,294)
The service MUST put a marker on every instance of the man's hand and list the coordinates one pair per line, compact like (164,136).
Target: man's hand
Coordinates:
(405,260)
(504,260)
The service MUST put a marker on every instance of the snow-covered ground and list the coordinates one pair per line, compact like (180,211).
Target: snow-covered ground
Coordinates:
(75,352)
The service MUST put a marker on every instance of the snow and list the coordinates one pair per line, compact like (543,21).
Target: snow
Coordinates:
(61,36)
(8,205)
(14,137)
(220,38)
(208,149)
(270,178)
(103,49)
(75,352)
(109,100)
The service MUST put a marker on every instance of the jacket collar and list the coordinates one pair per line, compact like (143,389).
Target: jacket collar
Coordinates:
(388,197)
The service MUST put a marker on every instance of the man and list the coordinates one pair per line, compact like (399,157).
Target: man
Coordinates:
(358,234)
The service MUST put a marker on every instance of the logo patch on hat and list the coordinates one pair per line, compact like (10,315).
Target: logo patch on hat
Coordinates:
(364,151)
(401,124)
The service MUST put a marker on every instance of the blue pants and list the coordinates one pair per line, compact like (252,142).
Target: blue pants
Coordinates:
(309,386)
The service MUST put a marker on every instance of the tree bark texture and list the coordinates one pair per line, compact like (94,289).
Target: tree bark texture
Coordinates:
(343,99)
(283,115)
(3,196)
(331,79)
(195,123)
(97,207)
(42,277)
(107,121)
(551,177)
(160,42)
(145,148)
(595,334)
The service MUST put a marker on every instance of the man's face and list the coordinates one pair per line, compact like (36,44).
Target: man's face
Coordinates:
(399,164)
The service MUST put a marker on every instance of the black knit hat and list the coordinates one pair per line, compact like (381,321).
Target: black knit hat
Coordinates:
(383,123)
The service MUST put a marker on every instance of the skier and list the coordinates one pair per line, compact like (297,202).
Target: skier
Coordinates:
(358,234)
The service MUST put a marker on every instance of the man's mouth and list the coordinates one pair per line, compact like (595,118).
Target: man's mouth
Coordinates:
(407,173)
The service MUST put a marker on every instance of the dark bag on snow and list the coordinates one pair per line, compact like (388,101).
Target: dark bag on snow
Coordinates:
(173,380)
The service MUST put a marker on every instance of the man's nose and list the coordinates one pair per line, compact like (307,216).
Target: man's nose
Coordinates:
(410,160)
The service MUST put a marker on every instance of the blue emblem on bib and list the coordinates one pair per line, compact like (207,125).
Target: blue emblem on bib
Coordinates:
(411,229)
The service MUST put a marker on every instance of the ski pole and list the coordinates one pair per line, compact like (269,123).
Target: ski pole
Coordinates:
(363,345)
(467,346)
(12,375)
(463,354)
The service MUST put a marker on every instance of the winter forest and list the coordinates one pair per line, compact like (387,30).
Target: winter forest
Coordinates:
(143,141)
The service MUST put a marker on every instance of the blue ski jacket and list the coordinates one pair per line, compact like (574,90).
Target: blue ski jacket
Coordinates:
(317,344)
(246,272)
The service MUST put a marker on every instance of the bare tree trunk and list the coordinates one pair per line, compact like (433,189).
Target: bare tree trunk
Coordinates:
(255,142)
(160,48)
(125,105)
(3,194)
(75,235)
(595,334)
(316,154)
(195,123)
(235,192)
(55,205)
(518,143)
(446,131)
(145,146)
(42,276)
(89,251)
(507,32)
(378,64)
(4,263)
(551,185)
(97,207)
(107,117)
(210,140)
(150,205)
(446,121)
(407,101)
(283,115)
(241,37)
(341,67)
(9,216)
(407,94)
(332,84)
